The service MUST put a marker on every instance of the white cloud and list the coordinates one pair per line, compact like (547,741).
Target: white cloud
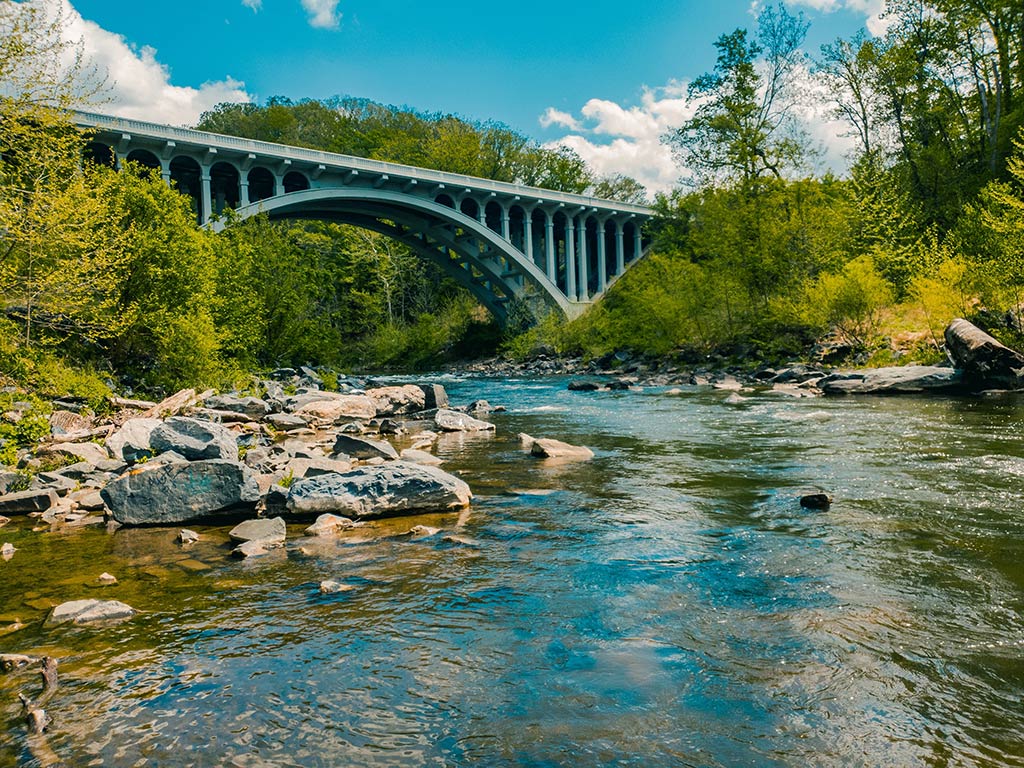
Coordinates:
(323,14)
(873,10)
(139,86)
(256,5)
(614,139)
(554,116)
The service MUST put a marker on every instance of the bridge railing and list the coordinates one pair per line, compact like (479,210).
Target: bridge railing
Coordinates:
(349,162)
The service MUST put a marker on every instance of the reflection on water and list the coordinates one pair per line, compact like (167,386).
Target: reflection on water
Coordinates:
(668,603)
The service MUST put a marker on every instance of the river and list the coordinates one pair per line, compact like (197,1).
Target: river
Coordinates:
(667,603)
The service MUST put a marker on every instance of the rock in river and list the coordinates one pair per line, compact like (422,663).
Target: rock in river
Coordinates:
(398,487)
(454,421)
(364,448)
(269,532)
(905,380)
(177,493)
(88,611)
(546,448)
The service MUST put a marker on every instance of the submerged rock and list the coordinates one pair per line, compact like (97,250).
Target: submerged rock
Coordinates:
(546,448)
(816,501)
(329,525)
(177,493)
(89,611)
(398,487)
(330,587)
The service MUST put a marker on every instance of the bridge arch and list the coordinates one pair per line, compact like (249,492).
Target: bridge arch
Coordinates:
(493,270)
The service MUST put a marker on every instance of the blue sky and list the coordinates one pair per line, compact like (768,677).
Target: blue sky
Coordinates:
(551,70)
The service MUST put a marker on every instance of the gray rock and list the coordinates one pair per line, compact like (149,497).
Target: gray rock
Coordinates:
(434,396)
(276,498)
(7,479)
(583,386)
(176,493)
(286,421)
(88,611)
(252,407)
(545,448)
(87,452)
(453,421)
(195,440)
(911,379)
(249,549)
(394,488)
(28,501)
(268,531)
(364,448)
(131,441)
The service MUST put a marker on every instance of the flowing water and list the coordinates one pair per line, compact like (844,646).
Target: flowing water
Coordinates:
(668,603)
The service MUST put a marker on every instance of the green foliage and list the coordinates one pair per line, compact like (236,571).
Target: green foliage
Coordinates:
(28,428)
(850,302)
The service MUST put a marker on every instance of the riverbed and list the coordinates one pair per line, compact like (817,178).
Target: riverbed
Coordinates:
(667,603)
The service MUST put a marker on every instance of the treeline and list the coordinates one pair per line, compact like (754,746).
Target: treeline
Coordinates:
(755,256)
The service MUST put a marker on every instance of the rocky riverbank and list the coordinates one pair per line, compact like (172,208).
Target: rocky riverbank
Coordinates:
(978,364)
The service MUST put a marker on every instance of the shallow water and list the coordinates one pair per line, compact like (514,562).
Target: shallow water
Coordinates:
(668,603)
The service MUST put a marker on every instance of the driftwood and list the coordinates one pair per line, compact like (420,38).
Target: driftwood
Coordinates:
(81,436)
(35,715)
(124,402)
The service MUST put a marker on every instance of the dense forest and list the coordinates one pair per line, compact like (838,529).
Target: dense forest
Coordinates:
(104,275)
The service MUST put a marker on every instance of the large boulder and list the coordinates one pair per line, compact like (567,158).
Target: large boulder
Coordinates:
(434,396)
(390,489)
(394,401)
(364,448)
(132,441)
(195,440)
(181,492)
(455,421)
(983,360)
(338,408)
(900,380)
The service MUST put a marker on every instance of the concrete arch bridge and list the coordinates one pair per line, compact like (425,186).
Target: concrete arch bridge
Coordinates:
(508,244)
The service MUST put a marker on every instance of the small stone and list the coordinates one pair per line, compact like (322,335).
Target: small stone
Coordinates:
(88,611)
(250,549)
(185,536)
(816,501)
(423,531)
(333,587)
(329,525)
(7,551)
(4,521)
(107,579)
(421,457)
(453,421)
(364,448)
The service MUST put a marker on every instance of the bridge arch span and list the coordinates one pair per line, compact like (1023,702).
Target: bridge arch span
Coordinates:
(480,259)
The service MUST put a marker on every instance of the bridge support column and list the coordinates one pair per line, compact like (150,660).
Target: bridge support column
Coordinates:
(481,212)
(581,237)
(506,231)
(620,257)
(638,247)
(549,246)
(602,257)
(206,194)
(570,258)
(165,172)
(528,234)
(243,189)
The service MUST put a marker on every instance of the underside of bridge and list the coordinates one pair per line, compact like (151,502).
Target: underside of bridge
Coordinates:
(497,274)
